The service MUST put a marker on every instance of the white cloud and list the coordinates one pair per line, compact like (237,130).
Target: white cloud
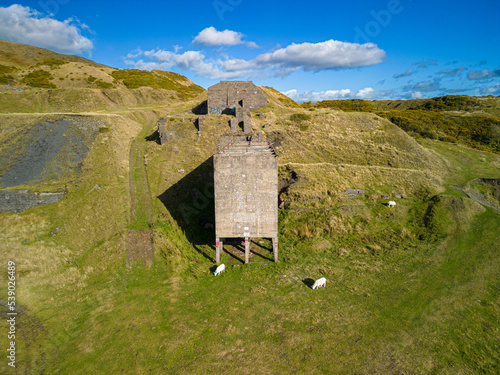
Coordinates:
(194,61)
(21,25)
(212,38)
(369,93)
(252,45)
(330,54)
(416,95)
(491,89)
(314,96)
(279,62)
(423,87)
(135,53)
(425,64)
(483,74)
(452,72)
(408,73)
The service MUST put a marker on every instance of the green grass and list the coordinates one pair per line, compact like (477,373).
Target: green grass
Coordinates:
(429,309)
(6,78)
(40,79)
(413,289)
(141,200)
(53,63)
(135,78)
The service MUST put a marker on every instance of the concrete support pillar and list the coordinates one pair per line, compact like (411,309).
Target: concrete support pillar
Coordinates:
(234,125)
(218,248)
(247,250)
(247,125)
(275,248)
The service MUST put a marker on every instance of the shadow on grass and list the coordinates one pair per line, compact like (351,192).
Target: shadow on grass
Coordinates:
(154,137)
(309,282)
(241,260)
(213,268)
(190,201)
(268,252)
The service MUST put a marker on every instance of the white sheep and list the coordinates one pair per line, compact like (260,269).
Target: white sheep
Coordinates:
(319,283)
(219,270)
(391,204)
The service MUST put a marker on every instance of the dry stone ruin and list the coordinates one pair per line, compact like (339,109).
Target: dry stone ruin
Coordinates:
(236,98)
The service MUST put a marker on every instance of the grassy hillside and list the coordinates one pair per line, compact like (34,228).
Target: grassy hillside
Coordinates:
(37,80)
(471,121)
(24,56)
(116,277)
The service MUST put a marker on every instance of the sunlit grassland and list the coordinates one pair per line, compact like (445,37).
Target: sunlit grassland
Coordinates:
(412,289)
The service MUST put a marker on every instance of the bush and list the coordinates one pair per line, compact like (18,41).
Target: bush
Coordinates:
(39,78)
(7,69)
(300,117)
(103,85)
(156,79)
(475,131)
(352,105)
(5,79)
(52,63)
(451,103)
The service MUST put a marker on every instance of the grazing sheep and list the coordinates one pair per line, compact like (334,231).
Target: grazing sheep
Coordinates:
(220,270)
(391,204)
(319,283)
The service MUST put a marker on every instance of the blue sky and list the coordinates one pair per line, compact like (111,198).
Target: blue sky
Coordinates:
(310,50)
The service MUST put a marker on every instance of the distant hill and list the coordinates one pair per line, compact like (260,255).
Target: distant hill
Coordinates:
(471,121)
(23,68)
(23,56)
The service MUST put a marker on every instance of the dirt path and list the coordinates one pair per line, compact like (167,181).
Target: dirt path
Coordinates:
(476,195)
(140,236)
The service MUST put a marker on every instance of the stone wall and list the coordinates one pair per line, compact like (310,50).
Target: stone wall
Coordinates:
(20,200)
(225,96)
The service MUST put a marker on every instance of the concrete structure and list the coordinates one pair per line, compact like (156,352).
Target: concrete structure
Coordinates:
(246,192)
(165,136)
(226,96)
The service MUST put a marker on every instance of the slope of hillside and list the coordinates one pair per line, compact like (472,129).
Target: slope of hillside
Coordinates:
(471,121)
(37,80)
(23,56)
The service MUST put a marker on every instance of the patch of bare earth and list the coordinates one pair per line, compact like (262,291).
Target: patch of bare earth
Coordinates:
(140,247)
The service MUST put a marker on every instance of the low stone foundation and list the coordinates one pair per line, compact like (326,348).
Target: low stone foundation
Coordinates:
(20,200)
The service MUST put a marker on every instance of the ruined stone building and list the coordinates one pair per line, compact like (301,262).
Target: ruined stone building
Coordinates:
(236,98)
(246,192)
(226,96)
(162,130)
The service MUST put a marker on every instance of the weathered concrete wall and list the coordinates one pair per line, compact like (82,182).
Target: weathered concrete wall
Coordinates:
(246,190)
(20,200)
(225,96)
